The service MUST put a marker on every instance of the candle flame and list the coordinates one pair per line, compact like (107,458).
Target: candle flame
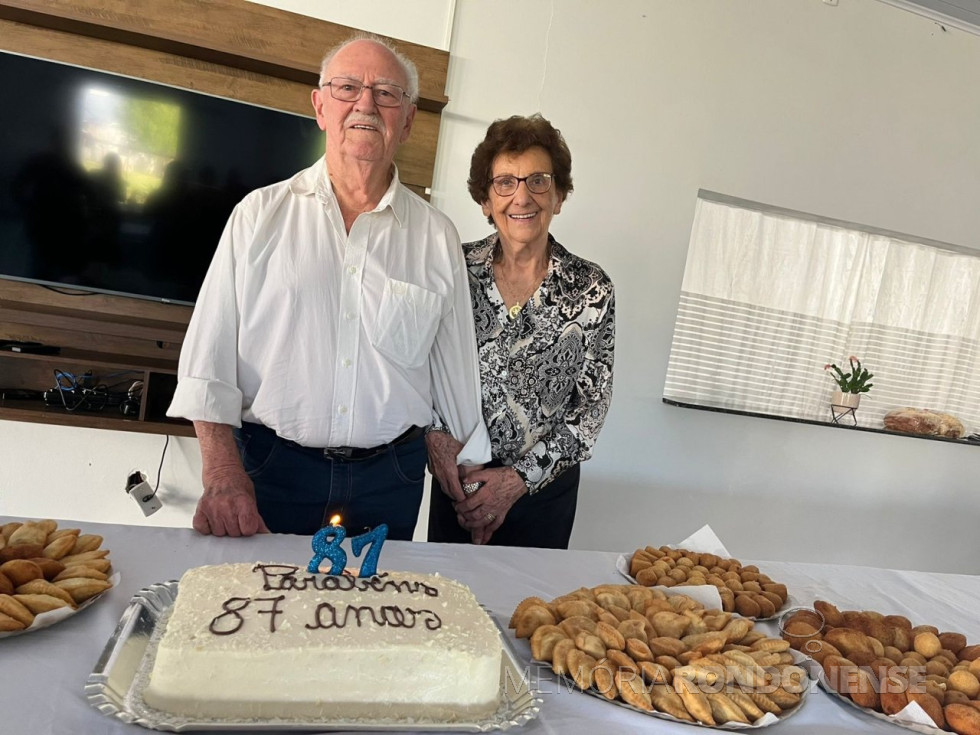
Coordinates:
(335,519)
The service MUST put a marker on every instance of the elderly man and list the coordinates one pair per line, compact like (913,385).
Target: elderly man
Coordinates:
(333,328)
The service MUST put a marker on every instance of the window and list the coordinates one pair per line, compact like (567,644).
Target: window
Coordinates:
(770,296)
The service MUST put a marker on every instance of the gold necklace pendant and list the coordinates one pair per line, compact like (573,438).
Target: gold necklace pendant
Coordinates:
(514,310)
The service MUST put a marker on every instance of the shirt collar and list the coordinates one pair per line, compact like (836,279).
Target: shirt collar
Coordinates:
(315,181)
(484,251)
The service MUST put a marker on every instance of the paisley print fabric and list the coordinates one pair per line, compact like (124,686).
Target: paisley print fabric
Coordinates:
(547,375)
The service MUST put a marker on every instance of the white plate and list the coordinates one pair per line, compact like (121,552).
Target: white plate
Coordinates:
(47,619)
(706,594)
(912,710)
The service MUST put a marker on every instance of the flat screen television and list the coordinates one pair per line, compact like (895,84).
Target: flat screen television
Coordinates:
(118,185)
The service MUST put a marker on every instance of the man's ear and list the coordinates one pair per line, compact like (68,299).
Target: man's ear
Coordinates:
(407,127)
(317,99)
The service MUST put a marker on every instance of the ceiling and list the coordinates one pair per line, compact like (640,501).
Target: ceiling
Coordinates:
(962,14)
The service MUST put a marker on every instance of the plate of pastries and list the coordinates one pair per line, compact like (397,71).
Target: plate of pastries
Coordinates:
(882,664)
(664,655)
(743,589)
(48,574)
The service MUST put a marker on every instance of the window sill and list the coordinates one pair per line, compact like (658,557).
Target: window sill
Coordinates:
(831,424)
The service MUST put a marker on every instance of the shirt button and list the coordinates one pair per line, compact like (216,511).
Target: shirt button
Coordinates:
(350,315)
(346,362)
(342,409)
(352,270)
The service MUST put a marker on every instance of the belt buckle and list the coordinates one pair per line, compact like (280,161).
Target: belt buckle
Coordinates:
(338,452)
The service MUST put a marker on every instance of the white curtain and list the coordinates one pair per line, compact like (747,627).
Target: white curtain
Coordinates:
(770,297)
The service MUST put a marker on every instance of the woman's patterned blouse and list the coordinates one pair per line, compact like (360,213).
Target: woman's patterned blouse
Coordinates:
(547,374)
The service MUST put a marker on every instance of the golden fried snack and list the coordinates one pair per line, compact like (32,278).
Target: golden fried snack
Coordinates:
(81,588)
(9,624)
(21,551)
(694,700)
(44,587)
(723,709)
(576,624)
(632,690)
(49,567)
(11,606)
(745,703)
(59,547)
(963,719)
(591,644)
(621,661)
(637,650)
(38,604)
(655,673)
(580,666)
(543,641)
(964,681)
(6,586)
(559,655)
(521,606)
(930,704)
(635,629)
(29,533)
(604,679)
(765,703)
(86,543)
(530,619)
(666,700)
(79,570)
(610,636)
(20,571)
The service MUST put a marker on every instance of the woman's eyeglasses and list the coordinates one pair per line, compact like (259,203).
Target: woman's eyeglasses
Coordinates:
(506,185)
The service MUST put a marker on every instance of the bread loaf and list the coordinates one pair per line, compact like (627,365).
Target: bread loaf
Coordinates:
(924,422)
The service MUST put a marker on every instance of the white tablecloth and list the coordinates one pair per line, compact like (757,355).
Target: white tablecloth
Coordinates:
(42,674)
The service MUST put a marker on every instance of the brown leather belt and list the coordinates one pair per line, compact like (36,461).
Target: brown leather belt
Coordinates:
(359,454)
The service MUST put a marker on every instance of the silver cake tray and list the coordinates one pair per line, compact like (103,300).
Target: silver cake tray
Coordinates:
(116,684)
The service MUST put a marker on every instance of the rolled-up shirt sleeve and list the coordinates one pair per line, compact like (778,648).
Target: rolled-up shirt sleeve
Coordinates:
(572,440)
(207,372)
(455,370)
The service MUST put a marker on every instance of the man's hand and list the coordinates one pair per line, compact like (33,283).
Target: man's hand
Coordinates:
(443,450)
(228,507)
(484,511)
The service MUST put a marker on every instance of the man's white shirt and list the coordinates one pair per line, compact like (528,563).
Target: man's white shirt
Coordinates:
(334,339)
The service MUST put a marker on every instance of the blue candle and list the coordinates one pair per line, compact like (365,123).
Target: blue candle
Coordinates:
(376,538)
(326,545)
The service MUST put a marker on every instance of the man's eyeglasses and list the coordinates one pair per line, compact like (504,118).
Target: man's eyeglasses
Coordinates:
(349,90)
(506,185)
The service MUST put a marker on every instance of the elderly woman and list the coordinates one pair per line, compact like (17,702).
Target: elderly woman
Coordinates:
(545,329)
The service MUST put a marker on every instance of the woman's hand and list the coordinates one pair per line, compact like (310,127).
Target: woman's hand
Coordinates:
(484,511)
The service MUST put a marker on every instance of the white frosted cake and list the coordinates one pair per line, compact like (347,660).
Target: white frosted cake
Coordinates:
(271,640)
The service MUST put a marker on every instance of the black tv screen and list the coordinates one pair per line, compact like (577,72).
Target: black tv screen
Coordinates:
(119,185)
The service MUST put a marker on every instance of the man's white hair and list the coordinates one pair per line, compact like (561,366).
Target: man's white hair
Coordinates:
(408,67)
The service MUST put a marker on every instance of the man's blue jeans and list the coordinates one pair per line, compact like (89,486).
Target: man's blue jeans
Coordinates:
(298,489)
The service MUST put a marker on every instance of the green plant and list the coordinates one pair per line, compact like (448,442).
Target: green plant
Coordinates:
(855,381)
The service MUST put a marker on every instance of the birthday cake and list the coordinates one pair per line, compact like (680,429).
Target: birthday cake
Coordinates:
(265,641)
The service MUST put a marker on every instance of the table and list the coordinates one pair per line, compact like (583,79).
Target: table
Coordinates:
(42,674)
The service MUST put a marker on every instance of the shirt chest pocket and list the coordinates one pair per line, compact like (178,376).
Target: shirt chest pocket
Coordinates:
(408,319)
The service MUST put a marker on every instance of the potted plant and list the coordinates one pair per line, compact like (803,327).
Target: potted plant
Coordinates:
(850,385)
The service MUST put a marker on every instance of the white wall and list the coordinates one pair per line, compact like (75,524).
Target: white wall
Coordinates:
(860,111)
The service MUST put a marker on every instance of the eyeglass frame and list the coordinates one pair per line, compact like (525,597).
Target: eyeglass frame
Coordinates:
(362,87)
(549,176)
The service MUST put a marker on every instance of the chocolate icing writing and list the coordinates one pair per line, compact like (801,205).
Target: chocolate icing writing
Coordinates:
(283,577)
(326,616)
(239,619)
